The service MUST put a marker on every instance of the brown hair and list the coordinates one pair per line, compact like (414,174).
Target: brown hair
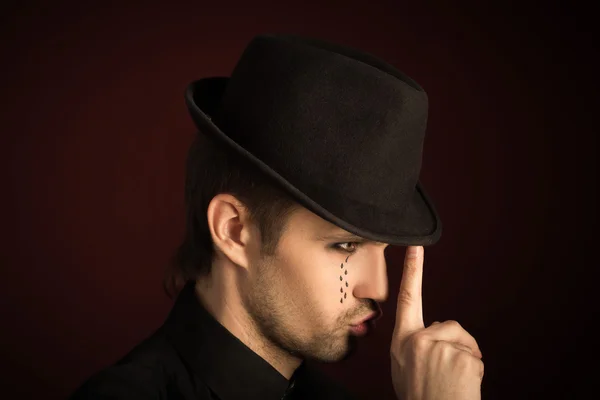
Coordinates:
(211,168)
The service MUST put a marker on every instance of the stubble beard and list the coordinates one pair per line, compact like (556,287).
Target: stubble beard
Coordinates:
(274,320)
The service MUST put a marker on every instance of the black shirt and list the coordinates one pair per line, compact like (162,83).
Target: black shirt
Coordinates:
(192,356)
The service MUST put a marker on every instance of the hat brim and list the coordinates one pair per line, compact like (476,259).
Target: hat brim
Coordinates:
(419,224)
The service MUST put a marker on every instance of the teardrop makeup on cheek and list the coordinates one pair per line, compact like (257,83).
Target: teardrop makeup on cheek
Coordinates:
(341,279)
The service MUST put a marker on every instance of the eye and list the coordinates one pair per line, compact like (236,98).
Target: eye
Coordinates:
(347,247)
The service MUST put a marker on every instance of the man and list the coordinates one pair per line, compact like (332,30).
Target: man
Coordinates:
(304,170)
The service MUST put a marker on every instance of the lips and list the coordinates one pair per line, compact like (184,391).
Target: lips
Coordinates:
(374,316)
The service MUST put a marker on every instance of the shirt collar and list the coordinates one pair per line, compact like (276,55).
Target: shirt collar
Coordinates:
(230,368)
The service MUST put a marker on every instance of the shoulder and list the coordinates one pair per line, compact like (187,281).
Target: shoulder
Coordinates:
(151,370)
(125,381)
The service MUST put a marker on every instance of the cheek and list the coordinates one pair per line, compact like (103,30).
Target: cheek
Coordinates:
(321,283)
(343,281)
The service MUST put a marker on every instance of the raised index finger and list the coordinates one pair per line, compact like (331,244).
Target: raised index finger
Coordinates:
(409,311)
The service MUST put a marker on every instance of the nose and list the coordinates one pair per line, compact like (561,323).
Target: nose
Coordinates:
(372,280)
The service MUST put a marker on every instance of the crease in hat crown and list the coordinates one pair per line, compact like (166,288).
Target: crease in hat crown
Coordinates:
(339,129)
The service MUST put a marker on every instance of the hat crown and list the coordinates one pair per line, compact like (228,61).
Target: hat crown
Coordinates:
(338,120)
(337,128)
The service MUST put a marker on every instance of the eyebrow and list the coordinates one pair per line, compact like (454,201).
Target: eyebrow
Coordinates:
(343,237)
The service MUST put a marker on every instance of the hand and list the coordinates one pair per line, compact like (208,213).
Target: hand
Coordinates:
(442,361)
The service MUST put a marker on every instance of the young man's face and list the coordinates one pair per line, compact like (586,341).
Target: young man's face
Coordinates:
(307,295)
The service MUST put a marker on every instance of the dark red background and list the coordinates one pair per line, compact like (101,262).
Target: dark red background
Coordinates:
(95,131)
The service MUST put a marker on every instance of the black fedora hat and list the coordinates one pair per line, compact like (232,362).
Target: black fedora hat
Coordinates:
(338,129)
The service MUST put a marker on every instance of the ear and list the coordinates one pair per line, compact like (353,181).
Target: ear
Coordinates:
(232,232)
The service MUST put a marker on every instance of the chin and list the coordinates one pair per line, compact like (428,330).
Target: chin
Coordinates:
(336,352)
(351,347)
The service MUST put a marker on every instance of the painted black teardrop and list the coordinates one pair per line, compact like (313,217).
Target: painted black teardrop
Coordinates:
(344,295)
(347,258)
(341,290)
(342,266)
(340,277)
(341,300)
(346,284)
(346,272)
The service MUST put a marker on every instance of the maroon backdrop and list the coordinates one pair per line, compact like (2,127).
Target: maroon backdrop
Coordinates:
(95,131)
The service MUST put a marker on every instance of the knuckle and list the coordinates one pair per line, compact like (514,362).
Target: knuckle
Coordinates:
(420,342)
(469,364)
(410,269)
(453,323)
(463,360)
(405,297)
(443,350)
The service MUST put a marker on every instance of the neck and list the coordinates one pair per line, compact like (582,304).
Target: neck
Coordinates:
(219,293)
